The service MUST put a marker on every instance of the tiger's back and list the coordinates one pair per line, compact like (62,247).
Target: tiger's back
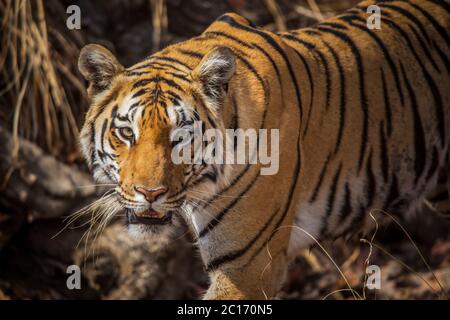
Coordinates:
(385,120)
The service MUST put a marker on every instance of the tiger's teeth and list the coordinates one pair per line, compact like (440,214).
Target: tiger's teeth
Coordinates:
(150,213)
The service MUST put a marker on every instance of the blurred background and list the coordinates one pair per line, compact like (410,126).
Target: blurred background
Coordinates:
(43,178)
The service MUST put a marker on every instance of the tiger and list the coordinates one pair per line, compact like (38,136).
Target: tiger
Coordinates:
(364,124)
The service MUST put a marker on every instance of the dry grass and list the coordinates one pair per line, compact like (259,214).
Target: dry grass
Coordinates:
(40,93)
(302,13)
(159,22)
(347,263)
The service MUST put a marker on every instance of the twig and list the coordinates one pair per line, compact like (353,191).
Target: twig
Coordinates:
(315,9)
(277,15)
(159,22)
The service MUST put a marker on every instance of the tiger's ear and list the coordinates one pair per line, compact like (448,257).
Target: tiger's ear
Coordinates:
(215,71)
(98,66)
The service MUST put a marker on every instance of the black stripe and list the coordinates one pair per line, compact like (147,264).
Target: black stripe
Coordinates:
(176,97)
(443,57)
(384,153)
(190,53)
(104,103)
(393,193)
(157,68)
(169,59)
(333,25)
(102,155)
(182,116)
(111,145)
(211,122)
(320,181)
(155,65)
(342,90)
(168,65)
(235,121)
(438,105)
(139,93)
(294,180)
(293,186)
(419,135)
(123,118)
(324,63)
(362,88)
(404,12)
(233,23)
(180,76)
(443,4)
(216,262)
(371,182)
(387,104)
(156,79)
(256,74)
(311,84)
(208,175)
(442,32)
(108,175)
(114,134)
(102,135)
(218,218)
(342,98)
(434,164)
(252,46)
(172,83)
(93,142)
(237,178)
(134,106)
(358,218)
(330,201)
(323,60)
(136,73)
(427,52)
(383,48)
(133,69)
(114,112)
(249,22)
(95,166)
(346,208)
(230,37)
(142,82)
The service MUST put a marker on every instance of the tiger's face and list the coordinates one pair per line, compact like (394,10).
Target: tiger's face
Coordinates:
(127,135)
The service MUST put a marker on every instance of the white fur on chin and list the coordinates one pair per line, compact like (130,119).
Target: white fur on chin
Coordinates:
(162,234)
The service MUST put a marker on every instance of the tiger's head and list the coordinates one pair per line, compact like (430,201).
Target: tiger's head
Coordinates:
(127,135)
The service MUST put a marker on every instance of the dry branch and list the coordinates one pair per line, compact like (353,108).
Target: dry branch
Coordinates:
(36,181)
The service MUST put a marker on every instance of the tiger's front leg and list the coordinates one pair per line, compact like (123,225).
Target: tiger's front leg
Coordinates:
(256,275)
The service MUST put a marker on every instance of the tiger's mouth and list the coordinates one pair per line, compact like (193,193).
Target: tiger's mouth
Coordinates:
(149,217)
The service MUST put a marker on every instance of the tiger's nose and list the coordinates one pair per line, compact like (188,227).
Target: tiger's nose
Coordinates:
(151,194)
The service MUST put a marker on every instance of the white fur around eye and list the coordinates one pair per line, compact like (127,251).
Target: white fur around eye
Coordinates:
(172,115)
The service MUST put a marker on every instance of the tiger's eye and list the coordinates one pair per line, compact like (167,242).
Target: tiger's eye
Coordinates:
(126,133)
